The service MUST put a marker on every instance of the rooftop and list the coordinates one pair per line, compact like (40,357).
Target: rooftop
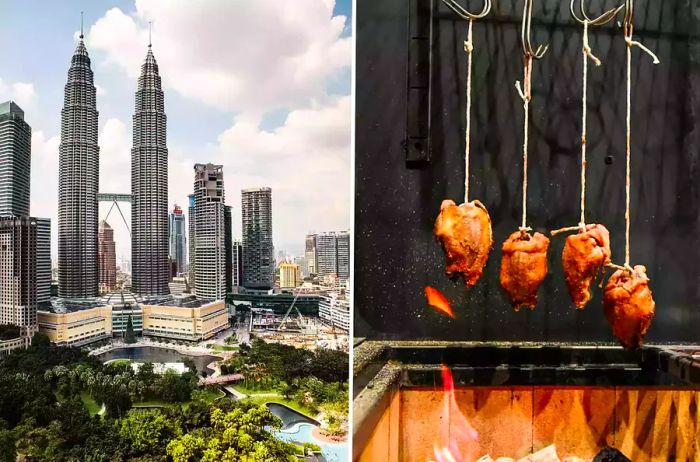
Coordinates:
(121,298)
(180,302)
(62,305)
(10,107)
(251,190)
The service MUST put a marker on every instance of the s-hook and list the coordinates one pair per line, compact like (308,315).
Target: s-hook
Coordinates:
(525,92)
(628,28)
(468,48)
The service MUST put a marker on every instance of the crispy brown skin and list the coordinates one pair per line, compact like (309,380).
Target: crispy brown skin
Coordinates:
(585,254)
(524,267)
(629,305)
(465,234)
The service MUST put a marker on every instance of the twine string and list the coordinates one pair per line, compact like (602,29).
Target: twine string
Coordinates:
(628,136)
(587,54)
(468,48)
(526,95)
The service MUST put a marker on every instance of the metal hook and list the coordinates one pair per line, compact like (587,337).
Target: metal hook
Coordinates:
(526,32)
(628,27)
(600,20)
(466,15)
(628,21)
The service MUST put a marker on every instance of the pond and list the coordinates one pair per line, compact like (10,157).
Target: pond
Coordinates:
(158,355)
(303,433)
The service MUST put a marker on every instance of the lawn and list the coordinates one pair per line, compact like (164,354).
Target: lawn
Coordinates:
(249,391)
(154,403)
(120,361)
(217,347)
(89,403)
(281,400)
(208,396)
(212,395)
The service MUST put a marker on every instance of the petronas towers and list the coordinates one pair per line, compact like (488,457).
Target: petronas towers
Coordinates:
(149,186)
(78,179)
(79,182)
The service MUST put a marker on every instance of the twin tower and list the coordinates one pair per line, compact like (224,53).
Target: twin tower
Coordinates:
(78,184)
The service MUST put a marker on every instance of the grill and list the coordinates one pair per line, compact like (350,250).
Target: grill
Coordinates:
(520,398)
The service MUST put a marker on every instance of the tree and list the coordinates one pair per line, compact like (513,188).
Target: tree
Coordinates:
(41,340)
(146,431)
(239,434)
(7,443)
(129,336)
(190,365)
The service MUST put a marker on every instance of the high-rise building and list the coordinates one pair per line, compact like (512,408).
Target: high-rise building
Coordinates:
(237,263)
(290,275)
(333,254)
(310,253)
(343,254)
(228,248)
(18,303)
(78,181)
(191,233)
(43,260)
(258,257)
(149,186)
(15,167)
(177,240)
(107,258)
(209,233)
(335,310)
(15,161)
(301,261)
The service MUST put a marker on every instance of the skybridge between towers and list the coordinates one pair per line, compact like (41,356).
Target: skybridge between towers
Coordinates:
(115,199)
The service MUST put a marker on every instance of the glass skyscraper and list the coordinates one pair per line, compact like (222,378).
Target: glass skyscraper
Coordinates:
(177,240)
(258,251)
(149,186)
(15,161)
(78,181)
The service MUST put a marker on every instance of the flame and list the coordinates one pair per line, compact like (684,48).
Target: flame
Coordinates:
(438,301)
(457,439)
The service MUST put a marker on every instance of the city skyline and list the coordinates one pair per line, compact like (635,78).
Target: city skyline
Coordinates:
(262,142)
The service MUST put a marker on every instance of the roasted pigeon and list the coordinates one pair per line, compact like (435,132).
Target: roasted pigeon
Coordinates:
(585,254)
(524,267)
(465,234)
(629,305)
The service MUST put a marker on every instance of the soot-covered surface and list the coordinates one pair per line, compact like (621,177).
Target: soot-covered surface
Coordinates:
(396,254)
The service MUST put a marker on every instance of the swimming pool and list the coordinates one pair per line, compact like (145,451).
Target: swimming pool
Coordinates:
(302,433)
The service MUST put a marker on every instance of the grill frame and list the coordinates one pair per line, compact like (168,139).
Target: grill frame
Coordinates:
(381,369)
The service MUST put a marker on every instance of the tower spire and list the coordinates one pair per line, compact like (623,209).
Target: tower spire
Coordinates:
(150,26)
(81,25)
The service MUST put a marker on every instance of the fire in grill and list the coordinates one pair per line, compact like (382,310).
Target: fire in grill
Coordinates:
(524,403)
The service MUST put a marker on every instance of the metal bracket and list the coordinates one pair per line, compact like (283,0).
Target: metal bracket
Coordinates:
(418,82)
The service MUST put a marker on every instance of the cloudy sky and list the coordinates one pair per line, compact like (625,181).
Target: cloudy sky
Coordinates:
(260,86)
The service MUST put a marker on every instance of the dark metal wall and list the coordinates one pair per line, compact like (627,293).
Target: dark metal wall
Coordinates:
(396,254)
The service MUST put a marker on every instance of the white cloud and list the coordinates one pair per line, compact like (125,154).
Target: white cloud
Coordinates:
(22,93)
(115,177)
(242,56)
(306,162)
(44,181)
